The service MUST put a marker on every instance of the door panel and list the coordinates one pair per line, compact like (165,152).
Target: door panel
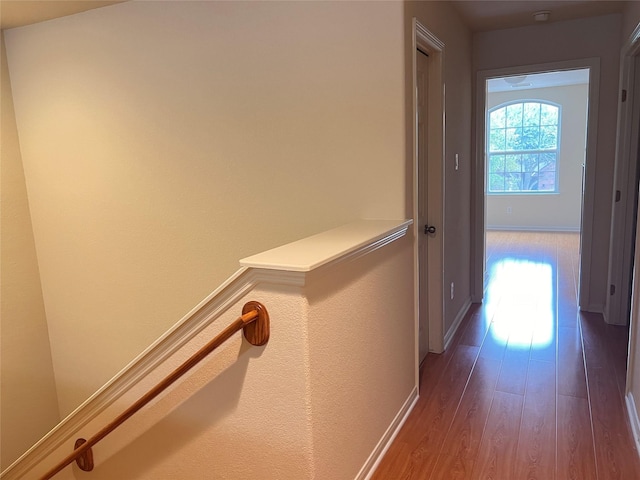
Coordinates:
(422,89)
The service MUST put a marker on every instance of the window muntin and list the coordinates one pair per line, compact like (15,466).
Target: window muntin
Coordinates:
(522,148)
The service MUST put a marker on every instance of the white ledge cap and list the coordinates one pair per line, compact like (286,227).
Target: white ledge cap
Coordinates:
(312,252)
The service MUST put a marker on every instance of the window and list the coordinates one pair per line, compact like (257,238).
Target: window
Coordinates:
(523,141)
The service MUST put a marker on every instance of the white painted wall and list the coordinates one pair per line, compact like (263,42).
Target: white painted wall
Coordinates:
(559,211)
(563,41)
(28,401)
(163,141)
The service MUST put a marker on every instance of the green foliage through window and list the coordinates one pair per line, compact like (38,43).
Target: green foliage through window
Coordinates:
(522,148)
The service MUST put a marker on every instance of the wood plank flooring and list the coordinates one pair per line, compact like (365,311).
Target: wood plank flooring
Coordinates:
(530,388)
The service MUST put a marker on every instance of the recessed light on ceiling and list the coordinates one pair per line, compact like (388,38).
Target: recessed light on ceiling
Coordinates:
(542,16)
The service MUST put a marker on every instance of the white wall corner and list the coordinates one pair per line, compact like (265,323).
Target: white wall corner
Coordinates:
(456,323)
(632,412)
(370,466)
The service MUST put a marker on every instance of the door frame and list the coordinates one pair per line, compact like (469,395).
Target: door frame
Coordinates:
(623,210)
(478,209)
(426,41)
(630,55)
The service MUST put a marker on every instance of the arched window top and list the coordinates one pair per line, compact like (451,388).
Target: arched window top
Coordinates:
(524,125)
(523,138)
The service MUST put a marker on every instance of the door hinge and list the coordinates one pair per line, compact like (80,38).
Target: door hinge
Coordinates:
(612,289)
(623,97)
(617,196)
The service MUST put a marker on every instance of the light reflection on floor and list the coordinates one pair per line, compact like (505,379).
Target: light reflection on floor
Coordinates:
(520,301)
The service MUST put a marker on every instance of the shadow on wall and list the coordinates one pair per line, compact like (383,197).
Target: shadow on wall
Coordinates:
(185,413)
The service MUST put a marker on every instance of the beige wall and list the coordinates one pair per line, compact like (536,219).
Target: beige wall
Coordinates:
(443,21)
(559,211)
(579,39)
(28,402)
(163,141)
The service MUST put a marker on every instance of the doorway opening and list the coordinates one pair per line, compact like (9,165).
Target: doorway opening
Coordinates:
(536,132)
(535,166)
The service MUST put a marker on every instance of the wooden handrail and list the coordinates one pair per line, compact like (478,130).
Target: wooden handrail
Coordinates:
(255,323)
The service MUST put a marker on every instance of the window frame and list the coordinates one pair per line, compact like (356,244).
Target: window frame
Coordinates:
(538,151)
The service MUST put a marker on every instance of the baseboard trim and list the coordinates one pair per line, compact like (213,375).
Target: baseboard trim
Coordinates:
(593,308)
(370,466)
(456,323)
(632,412)
(515,228)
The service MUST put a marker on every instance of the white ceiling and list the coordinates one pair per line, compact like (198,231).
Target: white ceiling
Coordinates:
(538,80)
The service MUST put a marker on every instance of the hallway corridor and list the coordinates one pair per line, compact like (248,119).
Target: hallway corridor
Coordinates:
(530,388)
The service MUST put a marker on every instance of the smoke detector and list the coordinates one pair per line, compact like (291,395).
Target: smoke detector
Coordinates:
(542,16)
(517,80)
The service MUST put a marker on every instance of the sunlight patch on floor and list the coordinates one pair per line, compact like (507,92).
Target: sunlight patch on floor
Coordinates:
(521,295)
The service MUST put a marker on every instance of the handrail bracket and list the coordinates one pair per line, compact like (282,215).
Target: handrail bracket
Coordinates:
(257,331)
(85,459)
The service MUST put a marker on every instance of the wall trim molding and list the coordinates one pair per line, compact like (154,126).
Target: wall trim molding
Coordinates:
(456,322)
(370,466)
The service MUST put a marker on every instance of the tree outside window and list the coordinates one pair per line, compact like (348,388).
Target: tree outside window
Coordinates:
(523,141)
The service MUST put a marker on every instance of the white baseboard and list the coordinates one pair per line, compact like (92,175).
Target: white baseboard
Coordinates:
(632,412)
(532,228)
(385,442)
(456,323)
(593,308)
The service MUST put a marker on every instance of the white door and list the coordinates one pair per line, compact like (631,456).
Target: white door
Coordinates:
(422,89)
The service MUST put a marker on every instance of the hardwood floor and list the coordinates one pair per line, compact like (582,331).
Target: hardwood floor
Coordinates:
(530,388)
